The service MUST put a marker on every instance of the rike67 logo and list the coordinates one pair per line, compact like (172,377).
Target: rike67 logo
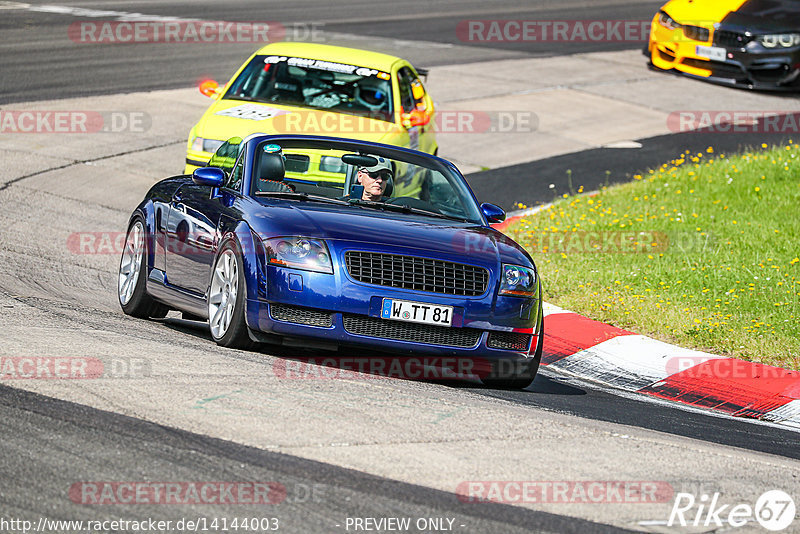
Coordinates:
(774,510)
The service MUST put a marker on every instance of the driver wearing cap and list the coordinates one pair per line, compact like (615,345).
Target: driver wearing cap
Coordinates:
(375,179)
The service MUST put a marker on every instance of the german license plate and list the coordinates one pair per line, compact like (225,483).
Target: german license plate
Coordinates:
(711,52)
(417,312)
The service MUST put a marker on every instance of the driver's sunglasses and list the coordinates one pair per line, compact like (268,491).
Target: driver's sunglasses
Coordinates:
(384,175)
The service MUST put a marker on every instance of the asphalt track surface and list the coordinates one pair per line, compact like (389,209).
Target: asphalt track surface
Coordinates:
(50,443)
(72,440)
(39,61)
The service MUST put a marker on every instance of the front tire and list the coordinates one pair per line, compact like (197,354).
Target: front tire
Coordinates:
(226,299)
(132,274)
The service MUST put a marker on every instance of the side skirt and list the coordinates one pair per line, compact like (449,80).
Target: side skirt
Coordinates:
(179,299)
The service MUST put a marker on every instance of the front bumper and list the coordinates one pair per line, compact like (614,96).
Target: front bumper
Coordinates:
(340,334)
(337,311)
(746,64)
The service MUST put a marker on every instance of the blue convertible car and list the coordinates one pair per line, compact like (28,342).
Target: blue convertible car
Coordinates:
(281,239)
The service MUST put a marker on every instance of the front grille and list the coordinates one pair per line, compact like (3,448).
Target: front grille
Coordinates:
(666,55)
(696,33)
(718,69)
(293,314)
(418,274)
(509,341)
(769,72)
(729,39)
(417,333)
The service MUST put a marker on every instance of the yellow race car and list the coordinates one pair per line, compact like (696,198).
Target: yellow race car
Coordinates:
(744,43)
(307,88)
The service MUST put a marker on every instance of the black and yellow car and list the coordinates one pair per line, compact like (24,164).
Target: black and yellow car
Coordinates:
(753,44)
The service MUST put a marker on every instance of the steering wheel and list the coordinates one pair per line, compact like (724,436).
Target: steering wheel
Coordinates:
(332,88)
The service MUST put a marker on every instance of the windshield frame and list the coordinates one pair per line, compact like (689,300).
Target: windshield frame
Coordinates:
(456,180)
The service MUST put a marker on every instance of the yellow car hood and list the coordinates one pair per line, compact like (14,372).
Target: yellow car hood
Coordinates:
(230,118)
(701,12)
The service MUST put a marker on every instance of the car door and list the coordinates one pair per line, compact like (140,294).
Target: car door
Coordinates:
(192,234)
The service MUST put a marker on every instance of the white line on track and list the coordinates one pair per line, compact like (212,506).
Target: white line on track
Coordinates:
(125,16)
(122,16)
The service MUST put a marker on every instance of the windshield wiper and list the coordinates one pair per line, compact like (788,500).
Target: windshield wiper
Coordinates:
(300,196)
(404,208)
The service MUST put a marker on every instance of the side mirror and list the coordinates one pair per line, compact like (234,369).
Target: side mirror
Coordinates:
(209,88)
(494,214)
(209,176)
(415,118)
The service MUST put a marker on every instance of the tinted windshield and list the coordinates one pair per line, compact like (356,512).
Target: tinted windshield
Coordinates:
(377,182)
(315,83)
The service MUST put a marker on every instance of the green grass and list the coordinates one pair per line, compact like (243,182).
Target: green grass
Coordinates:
(702,252)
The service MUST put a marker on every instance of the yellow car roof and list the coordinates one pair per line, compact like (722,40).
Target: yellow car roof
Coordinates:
(339,54)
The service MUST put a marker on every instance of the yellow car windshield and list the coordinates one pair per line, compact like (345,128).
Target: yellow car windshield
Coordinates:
(316,84)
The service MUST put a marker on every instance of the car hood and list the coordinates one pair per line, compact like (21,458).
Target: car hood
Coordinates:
(752,15)
(389,230)
(764,16)
(700,12)
(227,118)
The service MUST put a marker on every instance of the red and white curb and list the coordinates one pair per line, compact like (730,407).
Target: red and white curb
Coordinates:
(608,355)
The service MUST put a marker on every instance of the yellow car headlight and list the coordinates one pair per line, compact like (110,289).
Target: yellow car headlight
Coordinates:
(667,21)
(201,144)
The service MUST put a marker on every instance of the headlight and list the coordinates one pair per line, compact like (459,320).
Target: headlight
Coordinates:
(299,253)
(667,21)
(201,144)
(518,281)
(780,40)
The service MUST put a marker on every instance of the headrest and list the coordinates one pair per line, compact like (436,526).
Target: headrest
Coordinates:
(272,166)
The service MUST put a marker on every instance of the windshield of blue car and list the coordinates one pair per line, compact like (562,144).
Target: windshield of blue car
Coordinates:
(315,84)
(433,191)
